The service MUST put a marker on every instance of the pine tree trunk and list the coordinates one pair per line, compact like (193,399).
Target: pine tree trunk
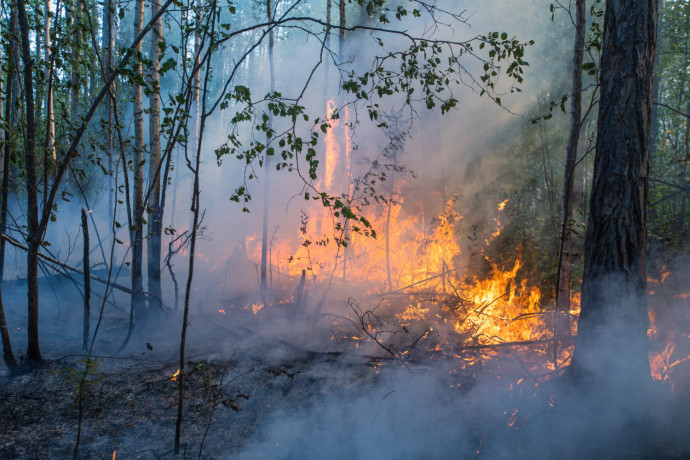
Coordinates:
(612,330)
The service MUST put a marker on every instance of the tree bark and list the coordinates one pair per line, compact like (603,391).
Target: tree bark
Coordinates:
(87,280)
(7,354)
(267,160)
(343,24)
(75,44)
(34,234)
(565,261)
(612,330)
(49,151)
(108,47)
(196,218)
(137,233)
(11,107)
(154,223)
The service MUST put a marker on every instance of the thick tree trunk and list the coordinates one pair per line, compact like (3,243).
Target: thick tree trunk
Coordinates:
(34,236)
(565,261)
(612,332)
(154,222)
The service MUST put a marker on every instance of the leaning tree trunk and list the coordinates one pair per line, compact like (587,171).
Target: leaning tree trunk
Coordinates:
(34,236)
(196,219)
(561,320)
(154,223)
(612,331)
(565,261)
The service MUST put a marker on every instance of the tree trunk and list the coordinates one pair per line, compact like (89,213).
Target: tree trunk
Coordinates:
(87,281)
(656,91)
(612,331)
(137,233)
(75,44)
(267,161)
(343,24)
(196,80)
(34,236)
(49,153)
(154,223)
(8,356)
(391,190)
(11,107)
(680,222)
(108,47)
(196,216)
(565,259)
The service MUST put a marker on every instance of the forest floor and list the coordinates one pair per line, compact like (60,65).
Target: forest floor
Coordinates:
(130,403)
(266,386)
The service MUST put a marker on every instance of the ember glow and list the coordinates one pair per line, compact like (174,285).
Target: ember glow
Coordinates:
(415,277)
(415,272)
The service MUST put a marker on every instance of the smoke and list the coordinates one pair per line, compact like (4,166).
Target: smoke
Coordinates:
(432,410)
(427,409)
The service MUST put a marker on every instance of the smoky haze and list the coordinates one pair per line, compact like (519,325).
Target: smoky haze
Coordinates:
(402,410)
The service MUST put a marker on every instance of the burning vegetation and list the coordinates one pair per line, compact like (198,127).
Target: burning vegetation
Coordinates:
(388,301)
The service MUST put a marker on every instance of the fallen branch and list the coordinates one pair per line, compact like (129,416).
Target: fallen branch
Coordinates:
(444,273)
(52,260)
(511,344)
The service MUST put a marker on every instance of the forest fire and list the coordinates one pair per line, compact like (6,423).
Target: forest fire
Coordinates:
(415,271)
(337,223)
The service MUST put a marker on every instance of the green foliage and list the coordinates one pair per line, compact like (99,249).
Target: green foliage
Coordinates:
(669,181)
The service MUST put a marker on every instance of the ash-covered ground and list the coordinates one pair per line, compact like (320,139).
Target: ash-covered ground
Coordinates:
(278,385)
